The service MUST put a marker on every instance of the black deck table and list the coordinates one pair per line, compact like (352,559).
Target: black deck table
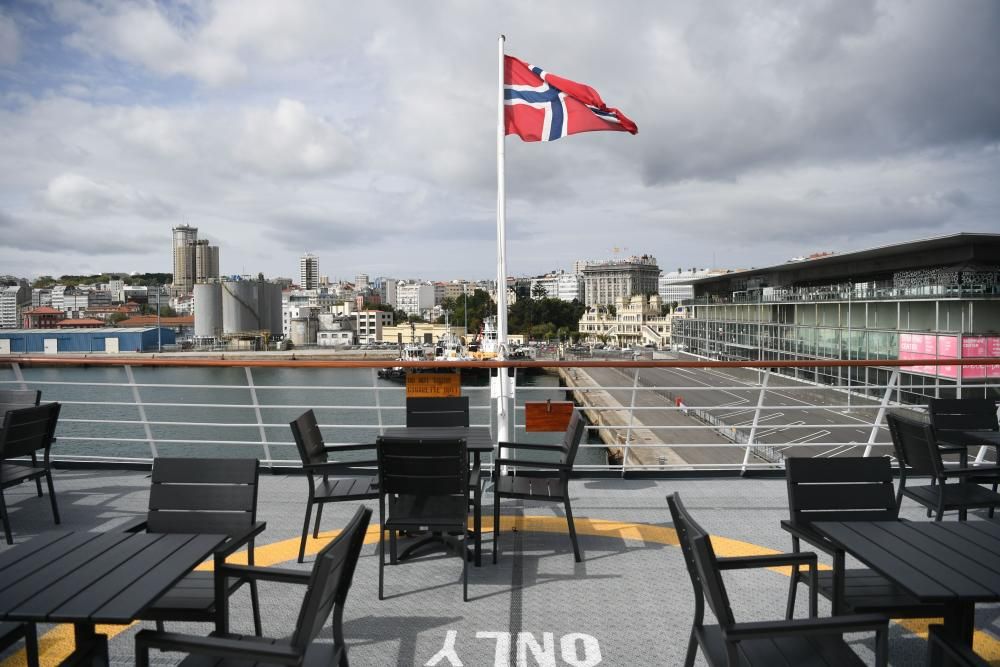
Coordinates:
(966,439)
(478,440)
(89,578)
(956,564)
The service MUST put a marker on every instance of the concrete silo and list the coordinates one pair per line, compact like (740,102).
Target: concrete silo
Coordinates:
(269,300)
(207,310)
(240,307)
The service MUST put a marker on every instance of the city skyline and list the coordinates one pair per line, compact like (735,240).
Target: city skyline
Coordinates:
(766,133)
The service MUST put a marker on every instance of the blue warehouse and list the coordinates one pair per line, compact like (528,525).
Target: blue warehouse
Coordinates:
(105,339)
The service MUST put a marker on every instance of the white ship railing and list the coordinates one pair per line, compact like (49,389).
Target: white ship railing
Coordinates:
(753,422)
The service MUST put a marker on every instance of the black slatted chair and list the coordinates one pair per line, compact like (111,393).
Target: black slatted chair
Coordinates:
(10,633)
(26,431)
(326,594)
(940,647)
(423,487)
(445,411)
(918,454)
(530,487)
(192,495)
(812,641)
(951,415)
(330,481)
(846,489)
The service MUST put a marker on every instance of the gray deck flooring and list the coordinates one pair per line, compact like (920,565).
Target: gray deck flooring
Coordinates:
(630,598)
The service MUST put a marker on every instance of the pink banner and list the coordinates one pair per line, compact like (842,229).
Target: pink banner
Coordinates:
(932,347)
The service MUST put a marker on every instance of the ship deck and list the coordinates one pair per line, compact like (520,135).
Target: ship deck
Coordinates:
(629,602)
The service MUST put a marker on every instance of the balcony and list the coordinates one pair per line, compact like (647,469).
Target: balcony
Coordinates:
(629,602)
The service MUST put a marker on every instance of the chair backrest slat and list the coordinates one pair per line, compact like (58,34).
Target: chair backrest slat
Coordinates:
(840,489)
(330,581)
(445,411)
(308,439)
(191,495)
(915,444)
(963,414)
(428,467)
(28,430)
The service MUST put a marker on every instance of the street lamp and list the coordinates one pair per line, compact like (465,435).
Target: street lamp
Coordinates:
(159,335)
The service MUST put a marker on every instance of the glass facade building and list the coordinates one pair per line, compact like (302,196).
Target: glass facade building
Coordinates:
(934,299)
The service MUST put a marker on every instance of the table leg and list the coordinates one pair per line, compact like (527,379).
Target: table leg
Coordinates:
(837,603)
(91,648)
(959,622)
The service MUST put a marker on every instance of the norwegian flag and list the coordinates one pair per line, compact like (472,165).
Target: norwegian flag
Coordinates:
(541,106)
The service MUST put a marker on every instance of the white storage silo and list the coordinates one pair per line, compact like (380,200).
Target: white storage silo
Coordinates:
(240,308)
(207,310)
(269,300)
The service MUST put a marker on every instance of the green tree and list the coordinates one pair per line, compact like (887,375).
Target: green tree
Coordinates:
(538,292)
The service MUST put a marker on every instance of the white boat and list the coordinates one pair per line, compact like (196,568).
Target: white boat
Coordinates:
(486,346)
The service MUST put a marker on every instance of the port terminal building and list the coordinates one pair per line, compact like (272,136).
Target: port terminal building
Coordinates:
(929,299)
(101,339)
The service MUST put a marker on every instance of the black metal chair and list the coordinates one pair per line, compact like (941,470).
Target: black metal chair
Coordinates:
(918,453)
(846,489)
(951,415)
(445,411)
(326,593)
(329,481)
(532,487)
(423,487)
(10,633)
(192,495)
(25,432)
(814,641)
(940,647)
(429,412)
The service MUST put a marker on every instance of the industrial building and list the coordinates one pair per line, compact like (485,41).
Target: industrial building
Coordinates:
(237,309)
(931,299)
(105,339)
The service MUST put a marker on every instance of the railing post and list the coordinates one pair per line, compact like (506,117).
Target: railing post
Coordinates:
(631,420)
(378,402)
(256,411)
(16,367)
(756,418)
(880,415)
(142,410)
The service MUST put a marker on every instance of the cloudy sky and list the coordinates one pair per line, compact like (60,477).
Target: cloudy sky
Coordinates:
(365,132)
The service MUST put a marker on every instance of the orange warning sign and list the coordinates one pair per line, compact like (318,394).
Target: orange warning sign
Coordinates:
(547,416)
(433,385)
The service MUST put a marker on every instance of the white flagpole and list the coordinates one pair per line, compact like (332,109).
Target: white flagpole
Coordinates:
(501,212)
(503,430)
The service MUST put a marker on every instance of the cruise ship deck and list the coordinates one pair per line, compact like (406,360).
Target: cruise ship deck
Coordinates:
(628,603)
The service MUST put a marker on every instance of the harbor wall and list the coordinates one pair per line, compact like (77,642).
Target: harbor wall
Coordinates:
(620,430)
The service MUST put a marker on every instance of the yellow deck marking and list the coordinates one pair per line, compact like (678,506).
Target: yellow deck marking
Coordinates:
(57,644)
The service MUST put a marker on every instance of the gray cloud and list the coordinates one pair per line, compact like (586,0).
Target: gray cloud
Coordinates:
(766,130)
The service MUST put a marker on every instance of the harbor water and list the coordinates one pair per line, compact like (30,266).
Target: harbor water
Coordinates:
(230,412)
